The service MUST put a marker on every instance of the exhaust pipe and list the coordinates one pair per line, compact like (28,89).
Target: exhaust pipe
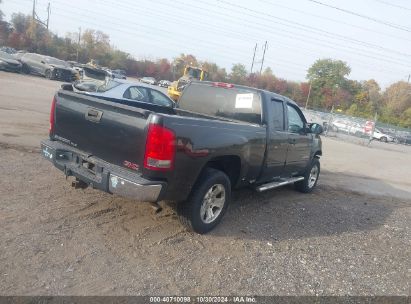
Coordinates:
(157,208)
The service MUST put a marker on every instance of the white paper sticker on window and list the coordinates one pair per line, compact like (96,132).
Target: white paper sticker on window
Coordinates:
(244,101)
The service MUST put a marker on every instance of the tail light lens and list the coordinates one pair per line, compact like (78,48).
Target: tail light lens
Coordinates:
(160,148)
(52,116)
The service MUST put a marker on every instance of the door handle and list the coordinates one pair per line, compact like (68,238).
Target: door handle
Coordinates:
(93,115)
(292,141)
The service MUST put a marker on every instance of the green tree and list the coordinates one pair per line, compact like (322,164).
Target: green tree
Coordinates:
(215,73)
(238,74)
(328,78)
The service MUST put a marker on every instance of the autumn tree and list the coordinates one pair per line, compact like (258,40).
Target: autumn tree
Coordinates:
(328,80)
(238,74)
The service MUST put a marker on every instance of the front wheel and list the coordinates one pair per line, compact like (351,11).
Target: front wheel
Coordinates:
(310,177)
(207,202)
(48,74)
(384,139)
(25,69)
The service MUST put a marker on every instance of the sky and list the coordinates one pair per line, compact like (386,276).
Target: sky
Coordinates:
(376,45)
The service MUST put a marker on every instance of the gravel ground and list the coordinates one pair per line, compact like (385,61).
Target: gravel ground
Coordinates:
(349,237)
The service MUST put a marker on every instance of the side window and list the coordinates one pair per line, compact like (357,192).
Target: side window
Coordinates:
(160,99)
(278,114)
(136,93)
(295,122)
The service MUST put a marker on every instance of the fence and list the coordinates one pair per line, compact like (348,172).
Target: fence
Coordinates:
(349,128)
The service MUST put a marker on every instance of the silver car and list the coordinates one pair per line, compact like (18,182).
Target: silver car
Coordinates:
(121,89)
(49,67)
(148,80)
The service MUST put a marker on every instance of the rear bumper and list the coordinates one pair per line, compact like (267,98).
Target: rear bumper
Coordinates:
(103,176)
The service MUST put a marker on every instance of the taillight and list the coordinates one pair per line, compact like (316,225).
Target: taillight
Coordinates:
(160,148)
(52,116)
(223,85)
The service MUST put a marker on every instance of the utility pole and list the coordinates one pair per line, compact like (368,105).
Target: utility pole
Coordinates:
(33,16)
(78,43)
(262,62)
(252,64)
(409,75)
(308,96)
(48,15)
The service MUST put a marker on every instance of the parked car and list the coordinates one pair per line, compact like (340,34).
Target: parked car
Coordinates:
(378,134)
(164,83)
(339,125)
(357,129)
(120,74)
(49,67)
(130,91)
(8,50)
(148,80)
(19,54)
(9,63)
(220,137)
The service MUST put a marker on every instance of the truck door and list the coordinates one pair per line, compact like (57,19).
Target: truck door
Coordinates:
(277,141)
(299,141)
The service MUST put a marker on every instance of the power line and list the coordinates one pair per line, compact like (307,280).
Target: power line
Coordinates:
(87,17)
(208,26)
(283,65)
(394,5)
(305,13)
(305,26)
(329,45)
(393,25)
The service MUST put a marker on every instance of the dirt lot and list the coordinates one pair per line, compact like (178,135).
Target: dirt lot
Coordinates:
(350,237)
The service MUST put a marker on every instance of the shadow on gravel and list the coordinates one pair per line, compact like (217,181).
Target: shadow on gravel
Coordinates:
(285,214)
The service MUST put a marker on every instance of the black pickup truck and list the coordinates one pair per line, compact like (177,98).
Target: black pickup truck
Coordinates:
(217,138)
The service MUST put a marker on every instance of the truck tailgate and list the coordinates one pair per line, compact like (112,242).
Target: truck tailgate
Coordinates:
(113,132)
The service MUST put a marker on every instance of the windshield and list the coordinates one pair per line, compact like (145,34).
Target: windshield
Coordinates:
(55,61)
(195,73)
(108,86)
(6,55)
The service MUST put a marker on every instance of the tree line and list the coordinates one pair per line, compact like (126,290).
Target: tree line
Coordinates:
(327,85)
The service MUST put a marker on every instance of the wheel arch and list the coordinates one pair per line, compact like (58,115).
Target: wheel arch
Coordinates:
(228,164)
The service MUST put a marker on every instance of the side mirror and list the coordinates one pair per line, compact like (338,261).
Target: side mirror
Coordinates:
(67,87)
(316,129)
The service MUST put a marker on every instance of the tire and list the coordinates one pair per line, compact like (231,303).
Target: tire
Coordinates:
(384,139)
(196,213)
(25,69)
(309,182)
(48,74)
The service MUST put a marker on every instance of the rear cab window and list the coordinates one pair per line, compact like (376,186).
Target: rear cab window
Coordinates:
(237,103)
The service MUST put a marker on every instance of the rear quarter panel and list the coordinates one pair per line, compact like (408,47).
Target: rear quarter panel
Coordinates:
(201,140)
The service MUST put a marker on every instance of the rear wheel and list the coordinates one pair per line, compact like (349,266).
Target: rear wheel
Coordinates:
(207,202)
(310,177)
(383,139)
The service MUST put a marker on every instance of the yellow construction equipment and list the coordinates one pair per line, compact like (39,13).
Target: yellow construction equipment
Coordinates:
(190,73)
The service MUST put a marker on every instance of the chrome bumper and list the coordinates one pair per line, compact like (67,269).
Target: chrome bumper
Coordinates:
(107,177)
(123,187)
